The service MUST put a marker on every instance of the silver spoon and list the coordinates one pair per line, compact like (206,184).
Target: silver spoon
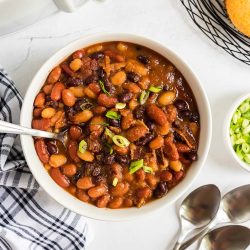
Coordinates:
(10,128)
(232,237)
(234,208)
(197,210)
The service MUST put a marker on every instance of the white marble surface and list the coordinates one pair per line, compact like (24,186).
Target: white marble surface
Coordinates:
(223,77)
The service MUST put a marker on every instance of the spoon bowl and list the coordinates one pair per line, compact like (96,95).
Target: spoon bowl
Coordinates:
(232,237)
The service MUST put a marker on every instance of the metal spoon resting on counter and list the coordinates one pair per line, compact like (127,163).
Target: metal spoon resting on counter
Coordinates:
(233,237)
(10,128)
(198,210)
(234,208)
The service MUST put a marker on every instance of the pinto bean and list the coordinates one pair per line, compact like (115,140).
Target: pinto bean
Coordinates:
(120,189)
(106,101)
(170,149)
(166,98)
(72,150)
(115,203)
(57,160)
(78,54)
(85,183)
(75,64)
(54,75)
(120,150)
(56,92)
(127,120)
(156,114)
(82,195)
(175,165)
(95,87)
(116,170)
(96,124)
(128,202)
(71,189)
(118,78)
(69,169)
(37,112)
(156,143)
(171,112)
(48,112)
(41,124)
(68,98)
(166,175)
(103,201)
(40,100)
(132,88)
(164,129)
(59,178)
(77,91)
(86,156)
(136,67)
(98,110)
(97,191)
(122,46)
(144,193)
(89,93)
(140,175)
(75,132)
(47,89)
(83,116)
(136,132)
(151,180)
(41,150)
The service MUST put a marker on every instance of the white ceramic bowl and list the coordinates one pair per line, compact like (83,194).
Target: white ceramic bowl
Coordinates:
(226,131)
(70,201)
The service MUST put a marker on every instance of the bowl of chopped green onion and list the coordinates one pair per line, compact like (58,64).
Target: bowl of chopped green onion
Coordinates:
(238,131)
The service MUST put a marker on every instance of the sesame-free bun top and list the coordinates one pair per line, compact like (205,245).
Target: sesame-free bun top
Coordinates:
(239,14)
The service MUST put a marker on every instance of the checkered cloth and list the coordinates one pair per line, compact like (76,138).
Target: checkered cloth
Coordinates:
(29,218)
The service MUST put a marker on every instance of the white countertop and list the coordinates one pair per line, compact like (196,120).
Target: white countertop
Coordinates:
(223,77)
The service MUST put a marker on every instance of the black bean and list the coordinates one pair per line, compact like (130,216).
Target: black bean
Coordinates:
(185,114)
(108,86)
(101,73)
(150,125)
(177,137)
(88,168)
(109,159)
(143,59)
(77,176)
(52,148)
(50,102)
(96,171)
(122,159)
(73,82)
(194,117)
(91,78)
(139,112)
(133,77)
(114,122)
(97,55)
(69,112)
(192,156)
(83,103)
(98,179)
(144,140)
(125,97)
(166,87)
(161,189)
(181,104)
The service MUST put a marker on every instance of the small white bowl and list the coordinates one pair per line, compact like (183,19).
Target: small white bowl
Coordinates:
(70,201)
(226,130)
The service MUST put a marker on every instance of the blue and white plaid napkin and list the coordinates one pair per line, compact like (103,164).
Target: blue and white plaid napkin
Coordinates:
(29,218)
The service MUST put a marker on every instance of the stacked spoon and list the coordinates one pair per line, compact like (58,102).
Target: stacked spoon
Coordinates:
(203,210)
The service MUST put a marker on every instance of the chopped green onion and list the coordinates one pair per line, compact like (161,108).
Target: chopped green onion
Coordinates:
(120,105)
(148,169)
(247,158)
(143,97)
(113,115)
(111,151)
(155,89)
(82,146)
(245,147)
(109,133)
(244,107)
(245,123)
(120,141)
(246,130)
(115,181)
(103,87)
(135,165)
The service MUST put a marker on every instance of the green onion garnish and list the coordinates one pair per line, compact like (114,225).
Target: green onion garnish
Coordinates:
(82,146)
(135,165)
(103,87)
(240,131)
(111,151)
(148,169)
(115,181)
(120,105)
(120,141)
(109,133)
(113,115)
(143,97)
(155,89)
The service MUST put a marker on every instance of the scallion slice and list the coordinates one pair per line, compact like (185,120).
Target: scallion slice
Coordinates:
(135,166)
(143,97)
(120,105)
(120,141)
(109,133)
(155,89)
(113,115)
(115,181)
(82,146)
(148,169)
(103,87)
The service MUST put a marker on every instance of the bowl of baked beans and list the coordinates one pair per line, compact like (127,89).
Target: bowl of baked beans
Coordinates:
(136,124)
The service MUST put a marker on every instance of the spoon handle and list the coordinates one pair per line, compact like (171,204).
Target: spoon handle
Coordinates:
(9,128)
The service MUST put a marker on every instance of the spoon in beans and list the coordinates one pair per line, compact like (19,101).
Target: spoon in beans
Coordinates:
(10,128)
(198,210)
(234,208)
